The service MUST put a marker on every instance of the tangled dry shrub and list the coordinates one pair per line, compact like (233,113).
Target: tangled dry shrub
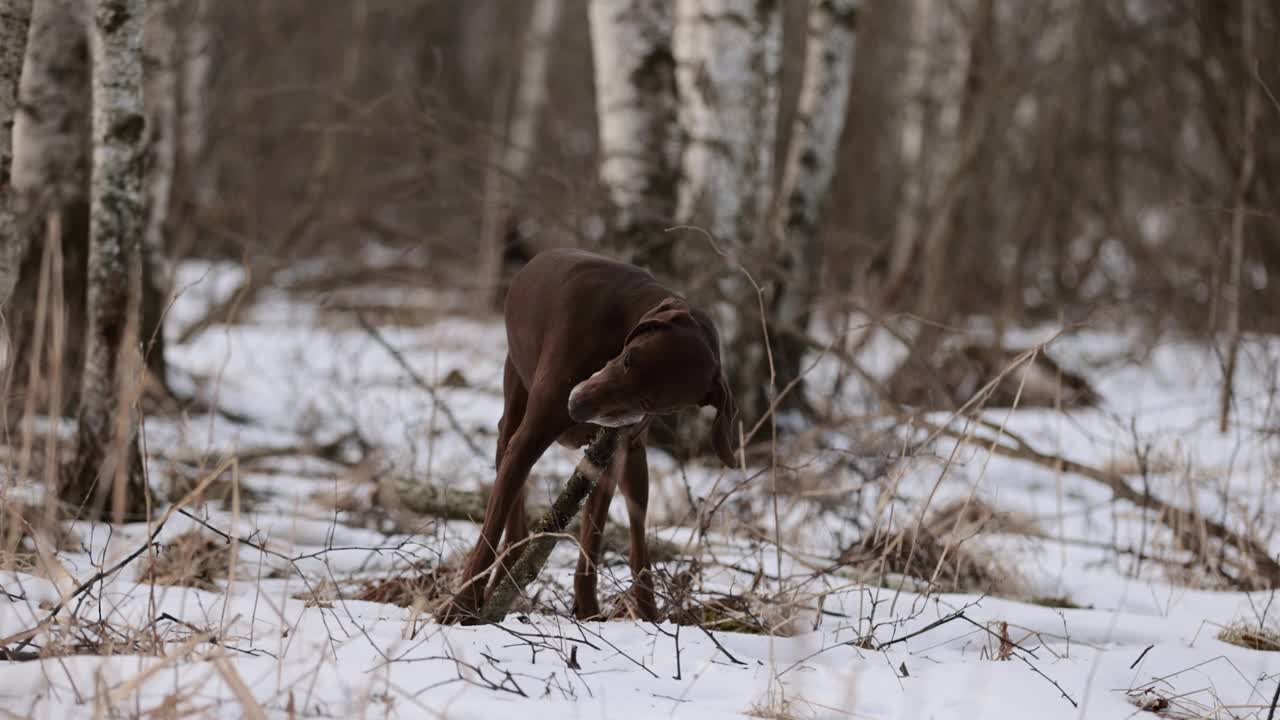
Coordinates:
(939,552)
(964,518)
(1251,635)
(25,529)
(192,559)
(950,377)
(722,612)
(218,493)
(420,587)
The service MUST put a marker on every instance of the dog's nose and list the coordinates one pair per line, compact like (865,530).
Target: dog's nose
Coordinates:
(575,405)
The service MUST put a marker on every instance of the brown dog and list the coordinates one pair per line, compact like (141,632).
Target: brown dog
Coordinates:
(592,342)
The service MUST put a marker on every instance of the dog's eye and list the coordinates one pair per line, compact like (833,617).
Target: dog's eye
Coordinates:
(645,405)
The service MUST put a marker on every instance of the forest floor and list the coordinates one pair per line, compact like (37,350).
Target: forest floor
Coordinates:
(1049,598)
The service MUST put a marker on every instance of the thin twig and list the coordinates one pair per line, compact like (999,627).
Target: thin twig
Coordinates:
(1053,682)
(931,626)
(420,382)
(719,647)
(1271,714)
(1182,522)
(25,637)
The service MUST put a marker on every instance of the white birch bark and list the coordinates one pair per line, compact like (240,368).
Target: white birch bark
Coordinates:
(727,58)
(810,162)
(531,89)
(965,128)
(196,68)
(811,152)
(117,226)
(160,90)
(636,107)
(161,86)
(912,141)
(1248,163)
(514,157)
(50,159)
(15,18)
(480,25)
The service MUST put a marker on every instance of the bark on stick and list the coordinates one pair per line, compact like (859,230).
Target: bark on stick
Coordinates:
(546,533)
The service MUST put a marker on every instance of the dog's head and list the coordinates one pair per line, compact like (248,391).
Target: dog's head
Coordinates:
(670,361)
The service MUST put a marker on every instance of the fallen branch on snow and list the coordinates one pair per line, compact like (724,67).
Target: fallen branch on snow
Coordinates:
(552,525)
(1191,528)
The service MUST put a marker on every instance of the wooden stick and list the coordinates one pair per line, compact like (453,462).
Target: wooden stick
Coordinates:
(546,533)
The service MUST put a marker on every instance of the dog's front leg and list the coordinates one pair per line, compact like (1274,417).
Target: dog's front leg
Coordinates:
(536,433)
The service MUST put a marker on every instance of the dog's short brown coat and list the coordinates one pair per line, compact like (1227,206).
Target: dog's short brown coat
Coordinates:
(592,341)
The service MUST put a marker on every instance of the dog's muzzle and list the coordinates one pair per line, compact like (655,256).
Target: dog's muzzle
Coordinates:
(581,414)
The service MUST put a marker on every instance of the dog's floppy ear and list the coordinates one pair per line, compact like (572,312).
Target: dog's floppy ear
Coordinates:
(663,315)
(722,429)
(723,433)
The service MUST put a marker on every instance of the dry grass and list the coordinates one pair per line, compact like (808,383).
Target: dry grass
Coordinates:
(1251,636)
(422,588)
(967,518)
(773,711)
(724,613)
(25,530)
(921,553)
(940,550)
(774,706)
(219,493)
(192,559)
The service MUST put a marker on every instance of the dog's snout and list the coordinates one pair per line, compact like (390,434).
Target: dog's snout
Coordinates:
(576,406)
(591,401)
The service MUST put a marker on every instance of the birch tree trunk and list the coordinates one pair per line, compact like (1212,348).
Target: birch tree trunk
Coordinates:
(50,162)
(106,447)
(517,153)
(531,90)
(1239,214)
(946,176)
(810,164)
(161,91)
(636,107)
(50,177)
(15,18)
(939,237)
(727,58)
(196,65)
(195,179)
(913,147)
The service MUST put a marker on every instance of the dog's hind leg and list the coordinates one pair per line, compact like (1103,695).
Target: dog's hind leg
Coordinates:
(586,604)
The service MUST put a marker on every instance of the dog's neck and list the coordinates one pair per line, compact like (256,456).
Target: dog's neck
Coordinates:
(646,299)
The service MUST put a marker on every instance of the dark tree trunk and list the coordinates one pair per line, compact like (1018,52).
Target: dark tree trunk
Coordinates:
(22,317)
(155,299)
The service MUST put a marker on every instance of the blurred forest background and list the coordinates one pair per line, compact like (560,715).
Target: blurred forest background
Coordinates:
(942,168)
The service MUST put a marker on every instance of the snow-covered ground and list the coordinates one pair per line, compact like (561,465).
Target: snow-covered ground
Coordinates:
(281,636)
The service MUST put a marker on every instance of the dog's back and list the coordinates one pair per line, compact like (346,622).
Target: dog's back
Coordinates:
(577,306)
